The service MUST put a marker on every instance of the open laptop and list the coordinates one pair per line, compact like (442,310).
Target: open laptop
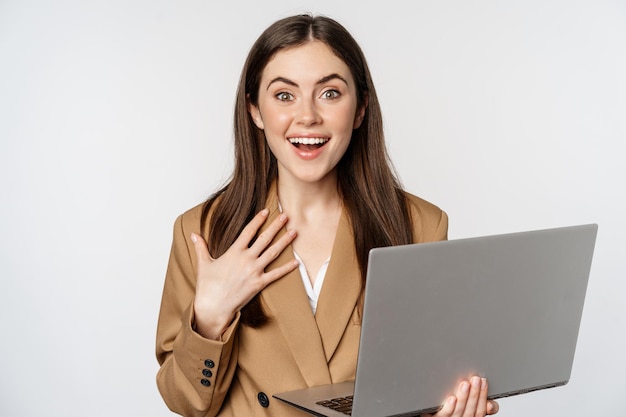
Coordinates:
(506,307)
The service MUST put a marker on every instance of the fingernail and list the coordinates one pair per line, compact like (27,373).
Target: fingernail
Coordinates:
(451,401)
(194,237)
(465,386)
(475,382)
(283,217)
(483,383)
(291,232)
(265,212)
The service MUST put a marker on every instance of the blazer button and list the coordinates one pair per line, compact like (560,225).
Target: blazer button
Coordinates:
(207,373)
(206,382)
(209,363)
(263,400)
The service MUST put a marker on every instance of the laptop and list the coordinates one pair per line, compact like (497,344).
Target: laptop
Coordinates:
(505,307)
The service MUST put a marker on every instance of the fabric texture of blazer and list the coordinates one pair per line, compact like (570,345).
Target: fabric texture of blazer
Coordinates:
(295,349)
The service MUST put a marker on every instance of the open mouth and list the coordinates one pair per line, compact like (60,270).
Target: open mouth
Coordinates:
(308,143)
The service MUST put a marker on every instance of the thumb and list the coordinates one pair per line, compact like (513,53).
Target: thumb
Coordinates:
(201,248)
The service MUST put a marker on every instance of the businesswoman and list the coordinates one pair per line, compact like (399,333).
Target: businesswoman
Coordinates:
(264,286)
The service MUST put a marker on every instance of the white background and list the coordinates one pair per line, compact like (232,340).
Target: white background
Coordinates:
(115,116)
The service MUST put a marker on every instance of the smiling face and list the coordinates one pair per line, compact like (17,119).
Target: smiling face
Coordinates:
(307,107)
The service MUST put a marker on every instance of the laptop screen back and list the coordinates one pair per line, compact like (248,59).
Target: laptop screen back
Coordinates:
(506,307)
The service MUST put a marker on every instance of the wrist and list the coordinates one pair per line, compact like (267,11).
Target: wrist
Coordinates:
(210,325)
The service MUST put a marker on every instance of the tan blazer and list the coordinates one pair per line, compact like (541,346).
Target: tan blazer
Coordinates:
(238,375)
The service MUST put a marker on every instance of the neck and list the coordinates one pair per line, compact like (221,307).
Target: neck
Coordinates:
(305,199)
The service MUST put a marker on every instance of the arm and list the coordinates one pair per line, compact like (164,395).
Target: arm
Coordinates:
(181,351)
(200,311)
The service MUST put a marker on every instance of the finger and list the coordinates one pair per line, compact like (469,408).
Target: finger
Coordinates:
(265,238)
(492,407)
(201,248)
(448,407)
(250,230)
(481,409)
(279,272)
(462,395)
(276,249)
(472,404)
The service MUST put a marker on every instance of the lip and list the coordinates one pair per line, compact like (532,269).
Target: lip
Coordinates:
(310,153)
(308,135)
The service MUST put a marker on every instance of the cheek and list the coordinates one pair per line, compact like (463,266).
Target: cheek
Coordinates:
(274,118)
(344,118)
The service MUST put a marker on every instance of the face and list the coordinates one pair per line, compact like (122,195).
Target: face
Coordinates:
(307,108)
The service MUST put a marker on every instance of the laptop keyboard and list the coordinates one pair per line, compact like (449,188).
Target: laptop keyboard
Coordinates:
(341,404)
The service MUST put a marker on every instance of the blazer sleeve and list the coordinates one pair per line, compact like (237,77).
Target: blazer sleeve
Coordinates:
(195,373)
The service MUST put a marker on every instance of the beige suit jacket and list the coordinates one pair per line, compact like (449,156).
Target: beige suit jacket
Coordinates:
(238,375)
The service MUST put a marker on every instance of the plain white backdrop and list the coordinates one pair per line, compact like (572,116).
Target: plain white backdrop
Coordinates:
(115,116)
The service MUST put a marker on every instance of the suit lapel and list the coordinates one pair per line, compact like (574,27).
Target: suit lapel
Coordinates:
(314,339)
(340,291)
(289,306)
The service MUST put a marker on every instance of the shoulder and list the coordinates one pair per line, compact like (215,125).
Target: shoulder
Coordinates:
(191,220)
(187,223)
(192,216)
(421,206)
(429,222)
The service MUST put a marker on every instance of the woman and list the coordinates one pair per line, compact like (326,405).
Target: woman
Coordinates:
(271,300)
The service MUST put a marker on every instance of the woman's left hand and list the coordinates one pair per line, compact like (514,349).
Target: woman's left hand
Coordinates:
(470,400)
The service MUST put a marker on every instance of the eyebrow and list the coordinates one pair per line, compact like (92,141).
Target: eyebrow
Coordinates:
(333,76)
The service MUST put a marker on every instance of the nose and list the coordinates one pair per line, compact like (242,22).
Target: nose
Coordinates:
(308,114)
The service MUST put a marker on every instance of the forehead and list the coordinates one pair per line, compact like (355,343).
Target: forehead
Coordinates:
(308,62)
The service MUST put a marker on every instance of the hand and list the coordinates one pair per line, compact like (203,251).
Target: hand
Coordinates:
(470,400)
(226,284)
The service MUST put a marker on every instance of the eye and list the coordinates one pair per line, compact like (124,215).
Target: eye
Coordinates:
(284,96)
(331,94)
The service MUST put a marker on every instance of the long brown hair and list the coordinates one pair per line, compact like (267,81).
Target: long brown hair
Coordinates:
(371,192)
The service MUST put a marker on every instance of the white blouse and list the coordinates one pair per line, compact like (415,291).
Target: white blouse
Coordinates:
(312,291)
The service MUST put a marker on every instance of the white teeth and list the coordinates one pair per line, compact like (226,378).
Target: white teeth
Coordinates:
(308,141)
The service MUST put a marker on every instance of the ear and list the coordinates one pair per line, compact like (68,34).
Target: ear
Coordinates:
(256,115)
(360,113)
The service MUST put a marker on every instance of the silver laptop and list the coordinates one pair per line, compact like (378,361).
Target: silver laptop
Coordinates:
(506,307)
